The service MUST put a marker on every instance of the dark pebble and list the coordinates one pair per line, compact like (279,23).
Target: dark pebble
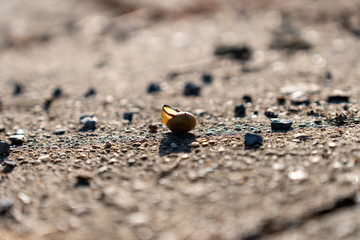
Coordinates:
(91,92)
(240,53)
(5,205)
(59,132)
(88,121)
(270,113)
(338,99)
(57,93)
(328,75)
(281,100)
(340,119)
(47,104)
(247,98)
(18,89)
(191,89)
(108,145)
(207,78)
(298,102)
(153,128)
(280,124)
(128,116)
(4,149)
(240,111)
(153,88)
(82,181)
(253,140)
(289,42)
(17,139)
(9,165)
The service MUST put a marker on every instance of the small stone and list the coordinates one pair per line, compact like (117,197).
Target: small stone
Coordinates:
(191,89)
(301,136)
(247,98)
(298,175)
(280,124)
(44,158)
(207,78)
(128,116)
(138,218)
(108,145)
(24,198)
(18,89)
(82,180)
(300,101)
(88,121)
(103,169)
(91,92)
(315,159)
(194,144)
(281,100)
(57,93)
(153,128)
(270,113)
(17,139)
(59,130)
(5,205)
(113,160)
(338,96)
(221,150)
(284,40)
(240,111)
(240,53)
(253,140)
(153,88)
(20,132)
(4,149)
(278,166)
(332,144)
(104,158)
(338,99)
(337,165)
(10,162)
(47,104)
(204,144)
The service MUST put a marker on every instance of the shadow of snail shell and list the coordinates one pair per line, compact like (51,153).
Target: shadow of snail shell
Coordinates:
(177,121)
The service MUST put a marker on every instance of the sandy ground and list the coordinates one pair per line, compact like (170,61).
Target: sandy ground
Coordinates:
(123,181)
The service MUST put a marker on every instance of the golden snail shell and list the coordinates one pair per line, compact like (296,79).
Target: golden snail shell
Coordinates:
(177,121)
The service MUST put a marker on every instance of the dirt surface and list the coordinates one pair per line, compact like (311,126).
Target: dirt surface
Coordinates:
(121,179)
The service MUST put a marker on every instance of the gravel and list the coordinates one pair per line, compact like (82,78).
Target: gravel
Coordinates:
(118,180)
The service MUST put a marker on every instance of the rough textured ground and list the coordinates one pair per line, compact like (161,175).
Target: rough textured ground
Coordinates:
(122,181)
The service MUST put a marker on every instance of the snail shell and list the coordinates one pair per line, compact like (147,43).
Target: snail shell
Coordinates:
(177,121)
